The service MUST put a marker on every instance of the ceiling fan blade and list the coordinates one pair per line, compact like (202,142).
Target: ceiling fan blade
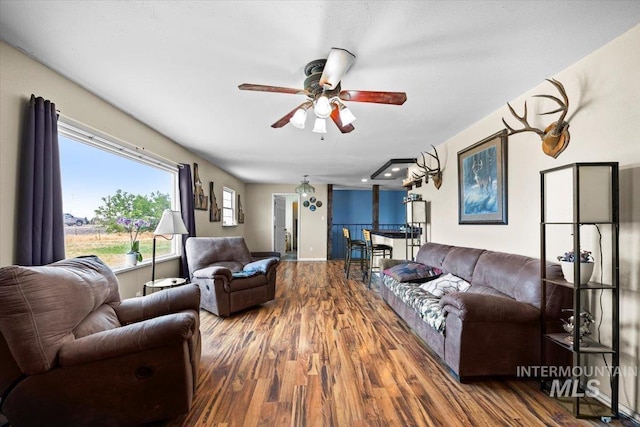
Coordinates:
(285,119)
(394,98)
(338,62)
(277,89)
(335,116)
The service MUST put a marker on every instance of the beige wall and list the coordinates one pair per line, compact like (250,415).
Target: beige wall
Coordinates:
(20,77)
(313,225)
(604,91)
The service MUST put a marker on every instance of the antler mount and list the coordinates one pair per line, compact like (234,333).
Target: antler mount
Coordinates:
(555,137)
(434,173)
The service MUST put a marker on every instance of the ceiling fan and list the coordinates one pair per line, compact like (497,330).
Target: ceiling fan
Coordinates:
(324,94)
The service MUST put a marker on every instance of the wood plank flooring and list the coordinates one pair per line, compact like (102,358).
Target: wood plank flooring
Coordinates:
(330,352)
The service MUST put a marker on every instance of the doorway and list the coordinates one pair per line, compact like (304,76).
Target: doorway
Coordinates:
(286,225)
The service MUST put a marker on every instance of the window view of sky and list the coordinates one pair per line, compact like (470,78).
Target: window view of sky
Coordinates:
(89,174)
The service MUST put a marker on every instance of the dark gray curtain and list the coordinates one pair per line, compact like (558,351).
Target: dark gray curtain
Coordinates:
(40,234)
(187,210)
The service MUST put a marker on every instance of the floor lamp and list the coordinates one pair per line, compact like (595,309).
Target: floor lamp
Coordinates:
(170,224)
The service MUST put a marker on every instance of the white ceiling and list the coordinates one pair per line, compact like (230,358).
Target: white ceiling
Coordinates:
(176,65)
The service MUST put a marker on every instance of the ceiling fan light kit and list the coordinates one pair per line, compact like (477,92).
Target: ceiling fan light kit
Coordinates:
(299,118)
(346,116)
(324,93)
(320,125)
(322,107)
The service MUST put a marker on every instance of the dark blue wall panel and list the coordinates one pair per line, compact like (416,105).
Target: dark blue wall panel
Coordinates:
(354,207)
(391,207)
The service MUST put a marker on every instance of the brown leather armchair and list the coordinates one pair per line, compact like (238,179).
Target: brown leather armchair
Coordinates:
(229,276)
(73,354)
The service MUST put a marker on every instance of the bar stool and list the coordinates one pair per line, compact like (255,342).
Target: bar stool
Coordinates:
(373,250)
(352,245)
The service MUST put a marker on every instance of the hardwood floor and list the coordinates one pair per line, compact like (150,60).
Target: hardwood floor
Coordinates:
(330,352)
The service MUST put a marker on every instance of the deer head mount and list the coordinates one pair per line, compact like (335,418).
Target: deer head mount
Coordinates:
(555,137)
(434,173)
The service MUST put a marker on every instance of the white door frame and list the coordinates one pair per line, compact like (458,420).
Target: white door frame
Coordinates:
(273,214)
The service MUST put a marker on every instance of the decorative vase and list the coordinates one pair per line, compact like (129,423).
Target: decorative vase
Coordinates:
(130,259)
(586,270)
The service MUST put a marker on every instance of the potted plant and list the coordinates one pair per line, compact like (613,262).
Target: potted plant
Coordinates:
(133,227)
(568,260)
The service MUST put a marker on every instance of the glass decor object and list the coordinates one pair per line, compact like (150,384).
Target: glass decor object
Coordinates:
(305,188)
(586,320)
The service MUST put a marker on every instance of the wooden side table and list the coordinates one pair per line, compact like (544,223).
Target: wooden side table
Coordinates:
(163,283)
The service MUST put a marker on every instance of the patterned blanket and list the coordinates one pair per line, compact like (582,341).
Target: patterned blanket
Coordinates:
(425,298)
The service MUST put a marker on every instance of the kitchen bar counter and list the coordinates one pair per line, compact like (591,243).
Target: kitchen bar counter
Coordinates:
(395,239)
(393,234)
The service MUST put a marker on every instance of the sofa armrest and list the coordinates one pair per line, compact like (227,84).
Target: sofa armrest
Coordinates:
(385,263)
(488,308)
(172,300)
(213,271)
(154,333)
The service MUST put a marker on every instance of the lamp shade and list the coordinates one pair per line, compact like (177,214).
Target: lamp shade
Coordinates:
(322,107)
(298,118)
(346,116)
(170,223)
(320,126)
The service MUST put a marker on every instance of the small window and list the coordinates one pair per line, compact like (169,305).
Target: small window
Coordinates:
(228,207)
(111,198)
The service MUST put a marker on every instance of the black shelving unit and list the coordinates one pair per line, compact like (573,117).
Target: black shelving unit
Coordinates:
(572,197)
(416,217)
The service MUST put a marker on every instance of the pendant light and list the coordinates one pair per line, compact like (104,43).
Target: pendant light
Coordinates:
(305,188)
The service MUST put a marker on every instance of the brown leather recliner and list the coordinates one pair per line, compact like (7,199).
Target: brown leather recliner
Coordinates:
(73,354)
(229,276)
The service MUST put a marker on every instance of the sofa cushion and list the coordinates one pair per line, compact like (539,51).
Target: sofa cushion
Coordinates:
(515,276)
(432,254)
(231,265)
(445,285)
(462,261)
(425,304)
(241,284)
(205,251)
(103,319)
(41,306)
(413,272)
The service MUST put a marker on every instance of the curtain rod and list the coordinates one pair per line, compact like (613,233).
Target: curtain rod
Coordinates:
(134,149)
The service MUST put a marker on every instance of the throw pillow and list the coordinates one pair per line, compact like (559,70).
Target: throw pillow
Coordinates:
(446,284)
(413,272)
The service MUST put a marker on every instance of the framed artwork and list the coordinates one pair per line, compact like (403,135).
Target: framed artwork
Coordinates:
(482,181)
(214,210)
(200,201)
(240,212)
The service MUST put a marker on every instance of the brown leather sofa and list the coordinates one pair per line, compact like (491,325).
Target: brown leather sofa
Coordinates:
(230,277)
(73,354)
(495,326)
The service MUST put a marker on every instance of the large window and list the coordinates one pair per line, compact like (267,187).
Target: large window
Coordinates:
(110,191)
(228,207)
